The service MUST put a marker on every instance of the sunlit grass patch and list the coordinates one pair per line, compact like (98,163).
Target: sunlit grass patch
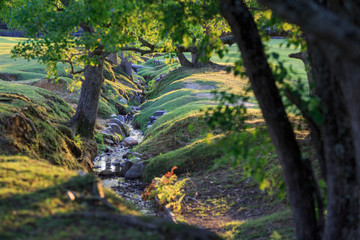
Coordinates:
(194,157)
(24,69)
(273,226)
(34,195)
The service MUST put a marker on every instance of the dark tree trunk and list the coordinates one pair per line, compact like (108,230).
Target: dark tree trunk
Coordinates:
(194,57)
(126,64)
(83,122)
(316,138)
(338,148)
(184,62)
(336,67)
(113,58)
(298,178)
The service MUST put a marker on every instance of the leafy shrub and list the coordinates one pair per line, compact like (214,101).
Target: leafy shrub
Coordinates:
(167,189)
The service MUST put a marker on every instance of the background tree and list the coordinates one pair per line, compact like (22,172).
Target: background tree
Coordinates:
(199,38)
(107,26)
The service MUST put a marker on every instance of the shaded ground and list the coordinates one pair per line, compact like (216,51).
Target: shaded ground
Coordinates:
(42,201)
(225,202)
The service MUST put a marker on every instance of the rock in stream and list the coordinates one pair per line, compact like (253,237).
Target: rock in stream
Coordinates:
(121,170)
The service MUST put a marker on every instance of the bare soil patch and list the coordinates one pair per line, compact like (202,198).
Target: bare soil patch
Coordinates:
(222,197)
(9,76)
(197,86)
(50,85)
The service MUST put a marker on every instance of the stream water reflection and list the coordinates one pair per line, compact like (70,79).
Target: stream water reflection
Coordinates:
(112,162)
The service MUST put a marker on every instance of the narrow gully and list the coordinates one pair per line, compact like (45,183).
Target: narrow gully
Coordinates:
(112,162)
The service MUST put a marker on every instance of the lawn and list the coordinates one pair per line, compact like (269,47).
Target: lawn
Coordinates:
(20,69)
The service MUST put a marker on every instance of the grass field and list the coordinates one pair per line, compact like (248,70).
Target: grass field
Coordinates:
(273,46)
(19,68)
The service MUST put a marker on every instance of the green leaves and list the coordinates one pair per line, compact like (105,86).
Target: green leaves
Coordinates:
(229,115)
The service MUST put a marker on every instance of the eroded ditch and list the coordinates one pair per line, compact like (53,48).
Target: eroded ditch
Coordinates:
(112,166)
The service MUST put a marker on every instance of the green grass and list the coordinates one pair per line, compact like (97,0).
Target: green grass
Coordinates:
(56,107)
(295,64)
(183,105)
(116,85)
(24,70)
(273,226)
(233,56)
(35,204)
(199,155)
(29,117)
(151,71)
(179,137)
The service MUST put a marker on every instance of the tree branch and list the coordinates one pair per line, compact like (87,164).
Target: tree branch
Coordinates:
(228,40)
(139,50)
(255,8)
(315,129)
(146,43)
(73,68)
(86,28)
(57,7)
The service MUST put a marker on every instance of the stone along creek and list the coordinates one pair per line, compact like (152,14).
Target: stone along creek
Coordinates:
(120,168)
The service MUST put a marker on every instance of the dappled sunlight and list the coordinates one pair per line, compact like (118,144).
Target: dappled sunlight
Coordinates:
(226,117)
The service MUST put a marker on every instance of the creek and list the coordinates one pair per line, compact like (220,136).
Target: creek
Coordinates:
(112,161)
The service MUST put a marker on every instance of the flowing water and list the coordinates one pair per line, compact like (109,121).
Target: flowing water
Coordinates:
(130,190)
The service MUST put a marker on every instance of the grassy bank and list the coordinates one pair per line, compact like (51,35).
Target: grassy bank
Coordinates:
(45,192)
(180,138)
(42,201)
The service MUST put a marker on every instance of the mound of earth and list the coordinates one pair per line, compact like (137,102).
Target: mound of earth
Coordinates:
(32,124)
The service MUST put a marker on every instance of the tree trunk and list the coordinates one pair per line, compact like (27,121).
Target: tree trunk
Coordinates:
(83,122)
(184,62)
(113,58)
(126,65)
(343,192)
(335,63)
(194,57)
(304,57)
(300,187)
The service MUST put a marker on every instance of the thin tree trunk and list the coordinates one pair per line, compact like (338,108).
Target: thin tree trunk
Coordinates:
(194,58)
(304,57)
(83,122)
(113,58)
(126,65)
(184,61)
(298,181)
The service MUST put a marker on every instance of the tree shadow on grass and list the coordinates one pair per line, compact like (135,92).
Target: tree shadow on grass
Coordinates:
(49,213)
